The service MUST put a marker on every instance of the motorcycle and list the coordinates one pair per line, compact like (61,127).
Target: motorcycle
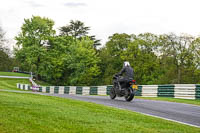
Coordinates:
(127,90)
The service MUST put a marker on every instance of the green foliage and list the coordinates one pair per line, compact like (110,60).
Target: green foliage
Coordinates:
(60,60)
(6,62)
(140,53)
(55,67)
(163,59)
(178,58)
(78,30)
(72,58)
(83,63)
(70,61)
(35,31)
(111,61)
(33,42)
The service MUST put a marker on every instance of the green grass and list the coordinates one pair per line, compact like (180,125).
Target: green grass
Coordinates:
(8,83)
(42,83)
(22,113)
(14,74)
(11,84)
(188,101)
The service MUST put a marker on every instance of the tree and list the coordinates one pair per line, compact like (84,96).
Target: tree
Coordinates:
(140,51)
(83,63)
(32,41)
(70,62)
(55,68)
(78,30)
(177,51)
(60,60)
(1,36)
(110,55)
(142,56)
(5,60)
(2,40)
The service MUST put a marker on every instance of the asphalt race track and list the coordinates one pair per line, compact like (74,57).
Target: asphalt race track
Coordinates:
(179,112)
(14,77)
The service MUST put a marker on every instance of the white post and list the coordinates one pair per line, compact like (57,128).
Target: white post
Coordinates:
(61,90)
(43,88)
(26,86)
(51,89)
(101,90)
(72,90)
(149,90)
(184,91)
(17,85)
(86,91)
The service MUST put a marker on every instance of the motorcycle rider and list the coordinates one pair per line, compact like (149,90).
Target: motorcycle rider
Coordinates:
(127,70)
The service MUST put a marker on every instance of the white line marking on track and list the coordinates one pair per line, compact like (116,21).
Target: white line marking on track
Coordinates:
(159,117)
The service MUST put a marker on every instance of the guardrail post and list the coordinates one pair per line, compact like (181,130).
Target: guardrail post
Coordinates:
(66,89)
(17,85)
(102,90)
(197,90)
(139,91)
(165,90)
(86,90)
(184,91)
(51,89)
(93,90)
(26,86)
(61,90)
(149,90)
(79,90)
(72,90)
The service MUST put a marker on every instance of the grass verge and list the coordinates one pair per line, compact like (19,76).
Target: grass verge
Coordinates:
(11,84)
(188,101)
(22,113)
(14,74)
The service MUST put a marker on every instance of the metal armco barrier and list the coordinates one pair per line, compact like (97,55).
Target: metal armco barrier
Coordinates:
(165,91)
(184,91)
(81,90)
(197,95)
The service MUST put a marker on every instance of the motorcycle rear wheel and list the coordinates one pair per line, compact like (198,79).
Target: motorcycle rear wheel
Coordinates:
(131,95)
(112,93)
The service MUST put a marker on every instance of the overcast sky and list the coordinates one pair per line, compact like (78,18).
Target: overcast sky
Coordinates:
(106,17)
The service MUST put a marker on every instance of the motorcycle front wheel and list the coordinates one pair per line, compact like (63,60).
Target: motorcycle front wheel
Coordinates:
(112,93)
(130,95)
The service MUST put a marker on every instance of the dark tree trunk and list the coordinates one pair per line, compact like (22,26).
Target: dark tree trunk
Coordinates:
(38,76)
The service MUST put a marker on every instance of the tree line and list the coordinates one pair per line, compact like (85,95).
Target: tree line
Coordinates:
(73,57)
(7,62)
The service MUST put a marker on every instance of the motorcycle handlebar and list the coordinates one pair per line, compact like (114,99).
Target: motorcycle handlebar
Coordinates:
(116,76)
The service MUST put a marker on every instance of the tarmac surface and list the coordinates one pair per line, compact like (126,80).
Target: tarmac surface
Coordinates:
(14,77)
(178,112)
